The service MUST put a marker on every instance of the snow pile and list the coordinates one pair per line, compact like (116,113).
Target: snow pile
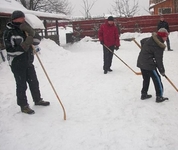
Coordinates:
(34,21)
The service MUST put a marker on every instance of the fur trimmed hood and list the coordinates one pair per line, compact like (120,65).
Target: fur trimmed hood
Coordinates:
(157,40)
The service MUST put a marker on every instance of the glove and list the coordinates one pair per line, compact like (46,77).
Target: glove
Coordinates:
(116,48)
(37,48)
(27,43)
(101,42)
(27,28)
(36,39)
(163,74)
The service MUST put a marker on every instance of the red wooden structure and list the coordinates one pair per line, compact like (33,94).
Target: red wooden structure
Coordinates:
(140,24)
(163,6)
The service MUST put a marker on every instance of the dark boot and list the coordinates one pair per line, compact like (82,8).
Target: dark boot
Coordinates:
(109,70)
(160,99)
(145,96)
(105,71)
(26,109)
(42,103)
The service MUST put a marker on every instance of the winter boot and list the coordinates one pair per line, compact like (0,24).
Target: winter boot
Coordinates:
(42,103)
(145,96)
(26,109)
(160,99)
(105,71)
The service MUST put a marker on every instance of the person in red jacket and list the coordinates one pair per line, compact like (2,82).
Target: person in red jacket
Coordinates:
(109,36)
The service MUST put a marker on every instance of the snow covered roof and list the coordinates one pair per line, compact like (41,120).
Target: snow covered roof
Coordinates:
(8,6)
(151,8)
(153,4)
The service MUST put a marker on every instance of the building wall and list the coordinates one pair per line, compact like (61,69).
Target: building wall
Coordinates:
(176,6)
(166,4)
(173,4)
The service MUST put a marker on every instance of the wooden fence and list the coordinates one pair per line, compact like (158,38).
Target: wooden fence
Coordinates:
(140,24)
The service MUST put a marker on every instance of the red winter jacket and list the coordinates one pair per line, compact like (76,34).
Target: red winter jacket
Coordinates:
(109,34)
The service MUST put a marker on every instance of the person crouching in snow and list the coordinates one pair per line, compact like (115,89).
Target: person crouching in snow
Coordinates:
(20,57)
(108,36)
(149,60)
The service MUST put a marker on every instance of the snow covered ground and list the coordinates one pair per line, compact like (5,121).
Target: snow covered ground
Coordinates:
(104,111)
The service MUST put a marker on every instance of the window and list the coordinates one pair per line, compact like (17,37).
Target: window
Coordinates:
(164,10)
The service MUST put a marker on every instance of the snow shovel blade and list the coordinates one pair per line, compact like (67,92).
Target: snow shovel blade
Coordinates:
(138,73)
(128,39)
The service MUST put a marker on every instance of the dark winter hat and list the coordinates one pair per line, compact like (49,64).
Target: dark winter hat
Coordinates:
(162,32)
(17,14)
(110,18)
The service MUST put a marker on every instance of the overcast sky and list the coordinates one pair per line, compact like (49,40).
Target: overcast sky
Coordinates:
(104,7)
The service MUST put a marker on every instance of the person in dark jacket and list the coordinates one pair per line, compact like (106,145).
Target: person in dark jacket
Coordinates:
(149,60)
(163,24)
(108,36)
(20,57)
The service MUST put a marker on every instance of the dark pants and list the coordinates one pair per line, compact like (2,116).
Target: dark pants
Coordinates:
(168,43)
(147,74)
(107,57)
(23,75)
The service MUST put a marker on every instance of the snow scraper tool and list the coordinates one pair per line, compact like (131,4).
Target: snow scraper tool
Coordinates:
(137,73)
(165,75)
(29,18)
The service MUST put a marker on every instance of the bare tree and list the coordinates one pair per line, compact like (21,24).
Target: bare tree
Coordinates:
(58,6)
(55,6)
(122,8)
(148,11)
(87,7)
(31,4)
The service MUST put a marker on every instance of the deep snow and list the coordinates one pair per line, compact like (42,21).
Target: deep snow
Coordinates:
(104,112)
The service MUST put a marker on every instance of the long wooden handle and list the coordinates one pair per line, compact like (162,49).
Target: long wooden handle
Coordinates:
(137,73)
(136,43)
(171,83)
(165,75)
(50,82)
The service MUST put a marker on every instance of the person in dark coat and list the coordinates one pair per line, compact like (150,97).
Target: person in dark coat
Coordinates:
(108,36)
(163,24)
(149,60)
(20,57)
